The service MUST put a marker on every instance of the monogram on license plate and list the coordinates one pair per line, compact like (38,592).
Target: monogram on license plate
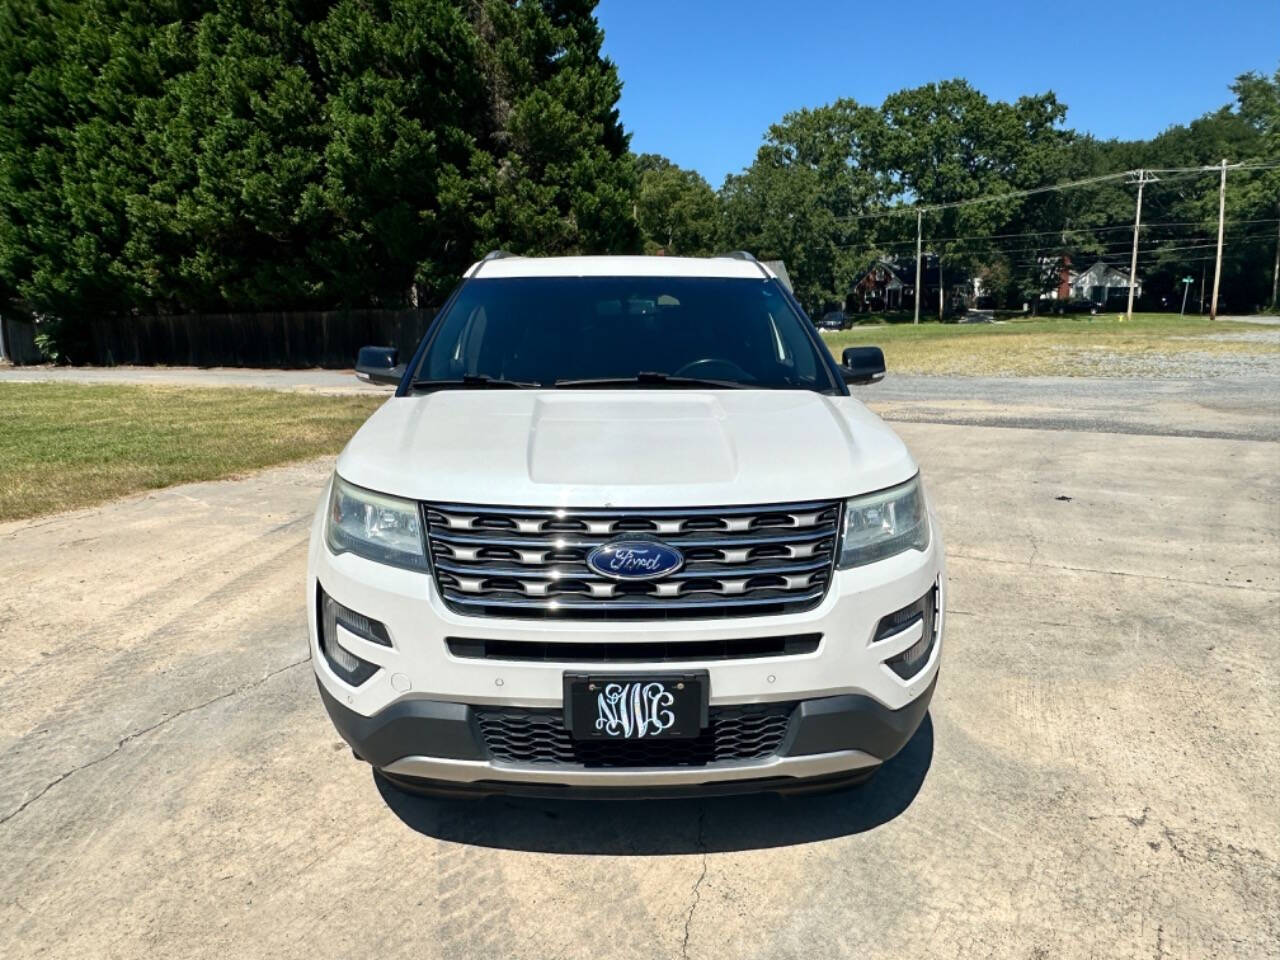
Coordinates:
(635,707)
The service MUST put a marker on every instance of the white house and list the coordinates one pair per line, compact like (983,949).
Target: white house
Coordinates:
(1101,282)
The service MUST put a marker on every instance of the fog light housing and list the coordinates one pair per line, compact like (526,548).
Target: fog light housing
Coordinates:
(350,668)
(924,611)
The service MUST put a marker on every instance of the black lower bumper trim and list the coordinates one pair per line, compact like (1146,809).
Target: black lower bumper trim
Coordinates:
(786,786)
(446,730)
(432,727)
(853,722)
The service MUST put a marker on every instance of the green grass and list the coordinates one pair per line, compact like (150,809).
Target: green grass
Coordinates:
(1081,345)
(64,446)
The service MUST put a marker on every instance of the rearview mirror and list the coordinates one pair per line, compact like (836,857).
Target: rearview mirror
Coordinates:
(379,365)
(862,364)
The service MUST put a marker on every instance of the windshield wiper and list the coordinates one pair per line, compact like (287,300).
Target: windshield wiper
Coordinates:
(647,378)
(475,380)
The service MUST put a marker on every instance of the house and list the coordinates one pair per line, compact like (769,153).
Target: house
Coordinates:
(1101,283)
(888,285)
(1098,284)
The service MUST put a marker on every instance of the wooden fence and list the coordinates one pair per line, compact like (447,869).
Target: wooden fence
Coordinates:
(18,341)
(321,338)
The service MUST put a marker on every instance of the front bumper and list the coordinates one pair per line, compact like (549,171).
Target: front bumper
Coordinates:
(828,739)
(414,717)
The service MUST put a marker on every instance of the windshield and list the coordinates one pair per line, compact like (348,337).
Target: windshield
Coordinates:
(636,331)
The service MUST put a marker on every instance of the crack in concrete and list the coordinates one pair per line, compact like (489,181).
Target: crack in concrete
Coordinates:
(697,884)
(129,738)
(1139,821)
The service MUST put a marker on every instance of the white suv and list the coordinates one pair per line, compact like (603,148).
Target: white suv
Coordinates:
(623,528)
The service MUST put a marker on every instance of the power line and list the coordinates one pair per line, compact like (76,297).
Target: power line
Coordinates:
(978,238)
(1027,261)
(1013,195)
(1245,166)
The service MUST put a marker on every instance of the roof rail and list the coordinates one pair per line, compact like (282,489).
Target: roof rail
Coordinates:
(491,255)
(749,257)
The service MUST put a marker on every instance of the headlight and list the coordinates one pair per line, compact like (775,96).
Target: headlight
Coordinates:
(882,524)
(374,526)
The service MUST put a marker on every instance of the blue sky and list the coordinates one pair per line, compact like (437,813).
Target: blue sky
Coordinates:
(703,79)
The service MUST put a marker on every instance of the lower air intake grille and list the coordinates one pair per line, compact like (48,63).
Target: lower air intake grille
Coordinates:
(746,732)
(634,651)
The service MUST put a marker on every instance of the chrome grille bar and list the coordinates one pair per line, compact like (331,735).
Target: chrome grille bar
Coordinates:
(531,562)
(691,571)
(482,538)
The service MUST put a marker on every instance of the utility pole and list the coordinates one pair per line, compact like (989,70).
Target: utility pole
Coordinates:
(941,292)
(1133,261)
(1275,271)
(1217,267)
(1202,289)
(917,296)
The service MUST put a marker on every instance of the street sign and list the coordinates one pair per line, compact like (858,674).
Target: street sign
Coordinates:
(1187,280)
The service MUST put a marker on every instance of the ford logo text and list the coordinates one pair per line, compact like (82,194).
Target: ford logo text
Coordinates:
(634,558)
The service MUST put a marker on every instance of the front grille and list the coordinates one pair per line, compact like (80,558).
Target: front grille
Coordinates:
(747,732)
(633,651)
(739,561)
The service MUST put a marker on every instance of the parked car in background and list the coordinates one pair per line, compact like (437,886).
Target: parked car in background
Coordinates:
(834,320)
(1074,305)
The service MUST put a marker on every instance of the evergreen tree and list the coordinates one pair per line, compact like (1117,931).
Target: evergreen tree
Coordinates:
(404,94)
(71,77)
(558,177)
(235,145)
(280,154)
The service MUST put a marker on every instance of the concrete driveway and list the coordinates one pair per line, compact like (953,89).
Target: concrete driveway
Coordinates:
(313,379)
(1097,777)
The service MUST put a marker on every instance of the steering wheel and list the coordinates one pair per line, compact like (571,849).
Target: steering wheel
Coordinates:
(713,368)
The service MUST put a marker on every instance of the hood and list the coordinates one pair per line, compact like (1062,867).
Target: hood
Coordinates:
(632,448)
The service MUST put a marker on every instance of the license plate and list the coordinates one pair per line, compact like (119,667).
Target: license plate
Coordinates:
(635,706)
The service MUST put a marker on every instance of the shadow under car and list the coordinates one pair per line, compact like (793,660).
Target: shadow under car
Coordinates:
(654,827)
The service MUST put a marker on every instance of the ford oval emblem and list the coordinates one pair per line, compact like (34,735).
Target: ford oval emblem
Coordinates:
(634,558)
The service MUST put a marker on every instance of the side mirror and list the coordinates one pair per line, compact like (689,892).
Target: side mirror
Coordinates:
(862,364)
(379,365)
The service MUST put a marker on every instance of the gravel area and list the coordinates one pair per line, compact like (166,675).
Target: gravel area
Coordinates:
(1230,406)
